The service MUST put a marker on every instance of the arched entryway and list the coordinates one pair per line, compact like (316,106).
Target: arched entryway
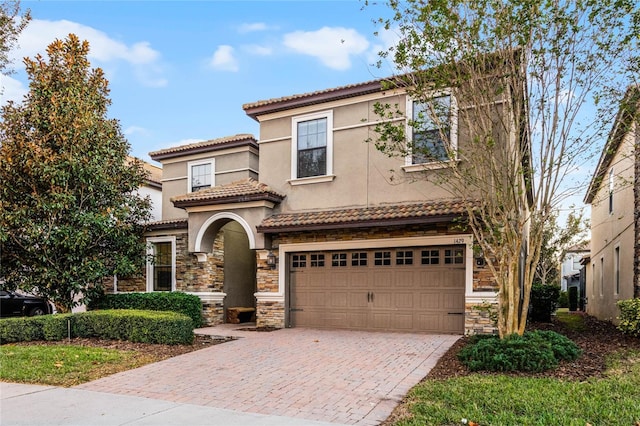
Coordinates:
(227,238)
(239,268)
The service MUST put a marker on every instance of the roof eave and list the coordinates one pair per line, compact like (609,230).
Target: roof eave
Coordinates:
(312,98)
(161,155)
(360,224)
(227,200)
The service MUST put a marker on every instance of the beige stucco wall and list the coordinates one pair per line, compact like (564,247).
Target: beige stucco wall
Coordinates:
(363,176)
(611,230)
(231,165)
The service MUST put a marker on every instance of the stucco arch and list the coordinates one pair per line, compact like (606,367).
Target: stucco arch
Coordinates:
(222,217)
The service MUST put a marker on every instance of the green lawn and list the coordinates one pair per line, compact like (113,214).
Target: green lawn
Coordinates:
(63,365)
(504,400)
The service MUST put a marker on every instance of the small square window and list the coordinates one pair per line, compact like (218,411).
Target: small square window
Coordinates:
(454,256)
(404,257)
(299,261)
(430,257)
(339,259)
(359,259)
(317,260)
(382,258)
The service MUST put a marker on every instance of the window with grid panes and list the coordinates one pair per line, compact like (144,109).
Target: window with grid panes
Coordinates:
(453,256)
(299,261)
(359,259)
(404,257)
(430,257)
(382,258)
(339,259)
(317,260)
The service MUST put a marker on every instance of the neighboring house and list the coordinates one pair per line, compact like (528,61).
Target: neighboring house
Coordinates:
(321,236)
(153,189)
(615,242)
(570,266)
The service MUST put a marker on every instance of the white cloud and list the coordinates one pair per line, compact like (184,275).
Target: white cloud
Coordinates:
(132,130)
(144,60)
(11,90)
(332,46)
(252,27)
(224,59)
(255,49)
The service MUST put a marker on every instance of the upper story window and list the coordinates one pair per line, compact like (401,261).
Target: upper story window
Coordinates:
(312,150)
(201,174)
(432,129)
(610,191)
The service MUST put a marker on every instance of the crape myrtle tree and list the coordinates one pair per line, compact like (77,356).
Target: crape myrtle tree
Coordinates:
(11,25)
(69,211)
(533,85)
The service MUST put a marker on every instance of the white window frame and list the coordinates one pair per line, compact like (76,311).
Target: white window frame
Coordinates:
(616,269)
(328,176)
(453,135)
(150,242)
(191,164)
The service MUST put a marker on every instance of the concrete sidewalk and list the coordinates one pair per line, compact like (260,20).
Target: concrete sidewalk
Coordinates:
(47,405)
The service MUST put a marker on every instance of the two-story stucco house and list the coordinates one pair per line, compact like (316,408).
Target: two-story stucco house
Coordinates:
(615,202)
(305,225)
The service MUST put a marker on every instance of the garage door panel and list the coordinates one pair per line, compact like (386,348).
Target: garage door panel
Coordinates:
(382,300)
(359,279)
(380,289)
(339,299)
(429,300)
(404,300)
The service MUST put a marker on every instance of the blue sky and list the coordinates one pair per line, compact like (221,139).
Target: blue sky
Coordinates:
(180,71)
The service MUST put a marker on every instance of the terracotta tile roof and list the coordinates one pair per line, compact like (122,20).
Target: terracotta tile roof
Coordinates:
(365,216)
(295,101)
(167,224)
(235,192)
(154,173)
(210,145)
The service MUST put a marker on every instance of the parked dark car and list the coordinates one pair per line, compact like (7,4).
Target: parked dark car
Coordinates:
(14,304)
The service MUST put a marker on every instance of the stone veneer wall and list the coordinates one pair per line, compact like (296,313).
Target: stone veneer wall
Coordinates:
(268,314)
(191,276)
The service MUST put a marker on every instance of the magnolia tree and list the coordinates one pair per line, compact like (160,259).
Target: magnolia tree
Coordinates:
(11,25)
(522,93)
(69,213)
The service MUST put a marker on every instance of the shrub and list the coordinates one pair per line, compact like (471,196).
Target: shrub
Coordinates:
(629,316)
(544,301)
(187,304)
(127,324)
(573,299)
(563,300)
(532,352)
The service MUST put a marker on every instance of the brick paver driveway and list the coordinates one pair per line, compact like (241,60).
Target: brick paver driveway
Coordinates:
(346,377)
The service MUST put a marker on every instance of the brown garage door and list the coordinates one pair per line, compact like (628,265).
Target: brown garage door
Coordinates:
(400,289)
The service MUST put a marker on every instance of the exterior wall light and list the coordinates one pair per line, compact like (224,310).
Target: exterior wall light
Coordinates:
(271,260)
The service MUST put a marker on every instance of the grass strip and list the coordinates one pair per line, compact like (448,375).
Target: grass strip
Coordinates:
(63,365)
(506,400)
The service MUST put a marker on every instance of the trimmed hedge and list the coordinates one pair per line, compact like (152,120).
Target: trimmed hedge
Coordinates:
(629,316)
(126,324)
(534,351)
(187,304)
